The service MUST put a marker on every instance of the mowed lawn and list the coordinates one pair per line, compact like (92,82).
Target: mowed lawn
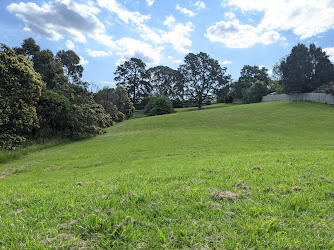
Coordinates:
(228,176)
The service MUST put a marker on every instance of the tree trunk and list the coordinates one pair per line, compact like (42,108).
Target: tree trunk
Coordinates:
(200,104)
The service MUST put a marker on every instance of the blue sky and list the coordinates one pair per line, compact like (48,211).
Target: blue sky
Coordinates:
(104,33)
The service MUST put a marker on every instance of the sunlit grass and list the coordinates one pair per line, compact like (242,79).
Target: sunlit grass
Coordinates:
(163,182)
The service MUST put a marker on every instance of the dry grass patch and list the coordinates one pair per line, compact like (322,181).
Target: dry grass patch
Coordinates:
(224,195)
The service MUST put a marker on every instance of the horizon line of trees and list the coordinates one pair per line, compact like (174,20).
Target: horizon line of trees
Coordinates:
(42,95)
(201,79)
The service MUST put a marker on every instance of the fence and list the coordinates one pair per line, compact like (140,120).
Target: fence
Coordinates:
(313,97)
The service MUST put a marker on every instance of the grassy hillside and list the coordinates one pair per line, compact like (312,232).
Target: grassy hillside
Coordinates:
(228,176)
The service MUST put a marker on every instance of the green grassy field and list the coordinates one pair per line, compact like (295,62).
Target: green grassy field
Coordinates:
(228,176)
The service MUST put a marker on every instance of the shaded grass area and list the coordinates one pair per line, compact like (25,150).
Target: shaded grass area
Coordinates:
(245,176)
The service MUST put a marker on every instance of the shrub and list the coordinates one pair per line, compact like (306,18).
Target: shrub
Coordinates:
(254,93)
(158,105)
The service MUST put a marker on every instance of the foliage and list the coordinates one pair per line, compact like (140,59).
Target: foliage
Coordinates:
(224,95)
(255,92)
(44,63)
(29,48)
(305,69)
(112,110)
(54,113)
(64,109)
(167,82)
(76,94)
(71,64)
(252,82)
(202,77)
(50,70)
(116,102)
(133,77)
(158,105)
(275,86)
(20,88)
(88,119)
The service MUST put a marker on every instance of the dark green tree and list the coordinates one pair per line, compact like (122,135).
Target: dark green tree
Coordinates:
(133,77)
(305,69)
(116,103)
(54,112)
(202,77)
(29,48)
(51,71)
(158,105)
(71,64)
(20,89)
(255,92)
(166,81)
(249,75)
(44,63)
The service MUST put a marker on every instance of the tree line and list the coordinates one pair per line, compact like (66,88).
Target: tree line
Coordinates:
(201,78)
(42,95)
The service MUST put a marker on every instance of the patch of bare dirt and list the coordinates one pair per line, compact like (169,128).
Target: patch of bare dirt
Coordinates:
(242,185)
(64,241)
(224,195)
(67,224)
(256,168)
(230,213)
(297,189)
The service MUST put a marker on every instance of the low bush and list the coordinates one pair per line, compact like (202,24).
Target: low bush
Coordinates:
(158,105)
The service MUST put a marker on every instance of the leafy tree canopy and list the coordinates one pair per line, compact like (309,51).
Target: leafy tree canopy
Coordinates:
(20,88)
(133,77)
(116,102)
(202,77)
(166,81)
(249,75)
(305,69)
(71,64)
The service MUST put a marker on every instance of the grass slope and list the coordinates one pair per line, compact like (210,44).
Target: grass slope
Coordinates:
(229,176)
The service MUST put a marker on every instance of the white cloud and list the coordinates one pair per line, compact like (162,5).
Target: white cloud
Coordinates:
(133,48)
(178,37)
(149,2)
(330,52)
(200,5)
(97,53)
(225,62)
(83,61)
(169,20)
(185,11)
(261,66)
(55,20)
(270,37)
(229,15)
(305,18)
(107,82)
(284,42)
(236,35)
(123,14)
(70,45)
(105,40)
(174,60)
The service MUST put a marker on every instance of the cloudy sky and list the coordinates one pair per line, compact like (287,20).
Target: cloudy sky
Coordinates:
(104,33)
